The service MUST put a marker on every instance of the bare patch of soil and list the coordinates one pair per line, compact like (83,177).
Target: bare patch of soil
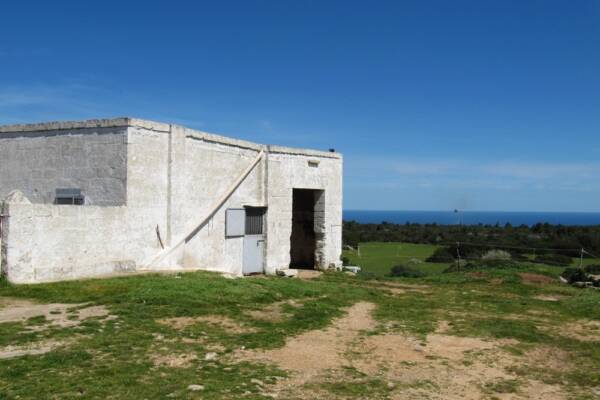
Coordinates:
(440,367)
(219,321)
(396,291)
(203,341)
(443,327)
(455,347)
(403,288)
(548,297)
(583,330)
(447,367)
(173,360)
(12,302)
(536,279)
(536,390)
(312,352)
(443,367)
(31,348)
(56,314)
(395,349)
(273,312)
(309,274)
(549,357)
(542,314)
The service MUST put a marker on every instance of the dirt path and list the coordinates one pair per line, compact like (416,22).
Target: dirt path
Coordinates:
(315,352)
(441,367)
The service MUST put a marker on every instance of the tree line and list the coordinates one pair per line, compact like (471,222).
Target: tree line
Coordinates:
(567,240)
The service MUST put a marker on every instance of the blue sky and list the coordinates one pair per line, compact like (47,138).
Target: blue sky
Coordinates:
(478,105)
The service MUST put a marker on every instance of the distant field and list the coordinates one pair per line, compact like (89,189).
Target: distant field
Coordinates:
(379,257)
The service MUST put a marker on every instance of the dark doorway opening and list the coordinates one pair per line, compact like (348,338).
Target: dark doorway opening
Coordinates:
(307,228)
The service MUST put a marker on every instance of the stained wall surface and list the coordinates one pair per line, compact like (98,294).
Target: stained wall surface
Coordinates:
(173,176)
(91,159)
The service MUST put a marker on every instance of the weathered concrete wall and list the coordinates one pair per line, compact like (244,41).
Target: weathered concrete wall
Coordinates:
(37,162)
(211,169)
(286,171)
(3,238)
(174,175)
(57,242)
(50,242)
(202,167)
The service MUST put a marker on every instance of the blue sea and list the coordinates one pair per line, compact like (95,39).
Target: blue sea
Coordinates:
(473,217)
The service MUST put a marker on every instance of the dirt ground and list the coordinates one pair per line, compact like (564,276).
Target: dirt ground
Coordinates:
(536,278)
(440,367)
(63,315)
(215,320)
(353,349)
(54,315)
(273,312)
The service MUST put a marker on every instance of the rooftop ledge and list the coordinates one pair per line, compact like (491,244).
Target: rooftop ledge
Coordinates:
(158,127)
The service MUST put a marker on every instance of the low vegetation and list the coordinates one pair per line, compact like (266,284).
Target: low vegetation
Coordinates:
(560,260)
(479,332)
(404,271)
(568,240)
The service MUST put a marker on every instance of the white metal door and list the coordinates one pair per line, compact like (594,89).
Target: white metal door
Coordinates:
(254,241)
(254,247)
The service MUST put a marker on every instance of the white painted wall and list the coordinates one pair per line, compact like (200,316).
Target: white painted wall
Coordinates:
(287,172)
(173,176)
(51,242)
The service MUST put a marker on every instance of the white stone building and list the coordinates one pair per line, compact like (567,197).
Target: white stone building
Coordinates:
(101,197)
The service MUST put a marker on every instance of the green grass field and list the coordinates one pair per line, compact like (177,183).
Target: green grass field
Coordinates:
(378,258)
(522,323)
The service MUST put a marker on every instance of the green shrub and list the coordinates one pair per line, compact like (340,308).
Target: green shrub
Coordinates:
(518,256)
(560,260)
(593,269)
(441,255)
(574,275)
(406,272)
(482,264)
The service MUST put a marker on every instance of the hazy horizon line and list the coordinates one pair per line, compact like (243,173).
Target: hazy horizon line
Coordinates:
(474,211)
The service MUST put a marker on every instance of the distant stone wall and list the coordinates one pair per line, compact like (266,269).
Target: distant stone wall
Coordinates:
(92,159)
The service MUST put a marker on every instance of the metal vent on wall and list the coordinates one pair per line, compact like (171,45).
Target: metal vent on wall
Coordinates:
(69,197)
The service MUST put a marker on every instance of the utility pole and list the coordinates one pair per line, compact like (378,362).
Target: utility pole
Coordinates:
(458,256)
(581,258)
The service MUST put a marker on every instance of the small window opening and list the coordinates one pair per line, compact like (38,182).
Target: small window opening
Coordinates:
(69,196)
(255,220)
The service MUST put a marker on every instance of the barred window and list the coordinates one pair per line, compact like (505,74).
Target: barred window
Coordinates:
(254,220)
